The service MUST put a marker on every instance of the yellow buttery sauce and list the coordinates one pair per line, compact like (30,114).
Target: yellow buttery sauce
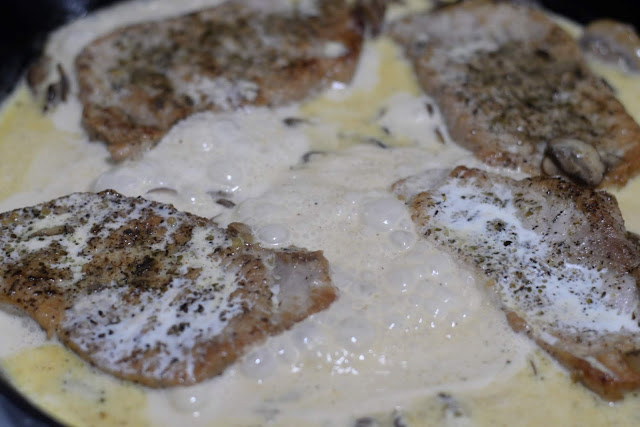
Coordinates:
(64,385)
(25,131)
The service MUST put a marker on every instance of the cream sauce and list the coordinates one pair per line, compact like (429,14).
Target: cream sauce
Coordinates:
(411,336)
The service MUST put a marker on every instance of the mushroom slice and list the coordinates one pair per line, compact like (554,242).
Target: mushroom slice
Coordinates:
(575,160)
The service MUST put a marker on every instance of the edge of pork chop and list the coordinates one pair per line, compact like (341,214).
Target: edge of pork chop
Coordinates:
(151,294)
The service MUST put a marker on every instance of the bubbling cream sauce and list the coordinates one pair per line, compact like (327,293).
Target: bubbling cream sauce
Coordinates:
(411,338)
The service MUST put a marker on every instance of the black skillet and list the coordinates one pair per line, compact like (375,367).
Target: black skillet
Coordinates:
(24,25)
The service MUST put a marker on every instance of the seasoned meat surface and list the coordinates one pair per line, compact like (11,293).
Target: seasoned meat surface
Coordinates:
(511,84)
(148,293)
(557,257)
(136,82)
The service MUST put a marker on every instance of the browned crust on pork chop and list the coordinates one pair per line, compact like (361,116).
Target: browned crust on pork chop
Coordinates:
(148,293)
(136,82)
(562,265)
(509,82)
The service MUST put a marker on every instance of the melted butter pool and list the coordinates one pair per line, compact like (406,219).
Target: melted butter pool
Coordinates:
(64,385)
(24,131)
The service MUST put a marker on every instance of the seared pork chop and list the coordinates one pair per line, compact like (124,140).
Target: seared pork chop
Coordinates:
(148,293)
(558,257)
(513,88)
(136,82)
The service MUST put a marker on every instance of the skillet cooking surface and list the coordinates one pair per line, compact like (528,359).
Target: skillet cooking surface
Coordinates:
(23,34)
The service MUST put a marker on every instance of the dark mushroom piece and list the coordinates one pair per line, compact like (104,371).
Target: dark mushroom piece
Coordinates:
(399,420)
(451,406)
(613,41)
(225,203)
(376,142)
(370,14)
(306,157)
(57,91)
(366,422)
(575,160)
(41,80)
(439,4)
(293,122)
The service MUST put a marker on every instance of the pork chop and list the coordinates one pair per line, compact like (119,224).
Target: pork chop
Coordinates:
(557,258)
(136,82)
(512,86)
(148,293)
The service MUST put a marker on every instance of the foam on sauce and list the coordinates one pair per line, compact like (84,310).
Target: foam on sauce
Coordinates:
(213,156)
(411,337)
